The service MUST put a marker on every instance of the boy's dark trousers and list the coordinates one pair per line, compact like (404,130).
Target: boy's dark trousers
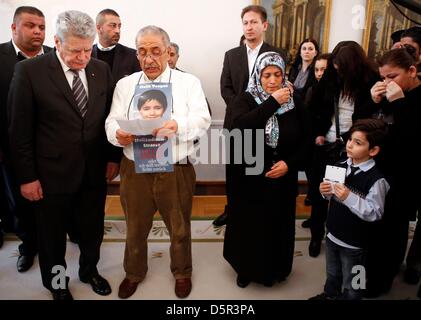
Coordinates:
(339,264)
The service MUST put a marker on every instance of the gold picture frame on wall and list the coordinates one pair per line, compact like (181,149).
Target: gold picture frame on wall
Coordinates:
(292,21)
(382,19)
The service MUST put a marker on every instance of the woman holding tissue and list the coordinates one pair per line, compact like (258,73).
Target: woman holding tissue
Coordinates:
(260,232)
(398,98)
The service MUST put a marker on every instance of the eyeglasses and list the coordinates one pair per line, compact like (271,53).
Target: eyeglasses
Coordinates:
(154,53)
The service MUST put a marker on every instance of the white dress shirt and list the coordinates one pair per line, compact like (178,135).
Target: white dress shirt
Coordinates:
(252,56)
(189,109)
(70,75)
(101,48)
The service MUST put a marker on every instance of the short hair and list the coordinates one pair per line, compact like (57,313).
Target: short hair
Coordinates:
(255,8)
(414,33)
(26,9)
(402,58)
(75,23)
(152,95)
(396,36)
(101,15)
(177,48)
(156,31)
(375,131)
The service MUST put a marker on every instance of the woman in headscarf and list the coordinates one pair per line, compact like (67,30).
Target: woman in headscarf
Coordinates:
(259,237)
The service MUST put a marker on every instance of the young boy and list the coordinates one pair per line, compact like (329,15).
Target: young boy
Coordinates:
(353,207)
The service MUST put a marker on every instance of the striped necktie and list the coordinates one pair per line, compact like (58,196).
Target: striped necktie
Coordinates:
(79,93)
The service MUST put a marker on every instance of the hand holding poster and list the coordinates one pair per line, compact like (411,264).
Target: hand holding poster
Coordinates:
(150,104)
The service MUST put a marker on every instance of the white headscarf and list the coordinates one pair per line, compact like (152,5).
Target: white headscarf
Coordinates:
(260,95)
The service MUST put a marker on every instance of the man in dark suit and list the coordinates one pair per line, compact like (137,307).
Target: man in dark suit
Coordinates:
(238,66)
(28,33)
(58,105)
(121,59)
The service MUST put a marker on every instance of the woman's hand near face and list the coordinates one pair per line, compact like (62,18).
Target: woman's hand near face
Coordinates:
(394,91)
(378,91)
(279,169)
(282,95)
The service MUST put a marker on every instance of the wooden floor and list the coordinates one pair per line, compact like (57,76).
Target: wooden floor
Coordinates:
(203,206)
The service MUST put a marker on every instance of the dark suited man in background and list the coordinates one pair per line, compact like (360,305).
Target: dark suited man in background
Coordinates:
(238,66)
(28,33)
(58,105)
(121,59)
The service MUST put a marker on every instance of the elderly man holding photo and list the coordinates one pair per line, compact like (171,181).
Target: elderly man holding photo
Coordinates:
(170,192)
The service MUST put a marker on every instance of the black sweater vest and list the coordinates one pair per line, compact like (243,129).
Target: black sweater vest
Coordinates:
(341,222)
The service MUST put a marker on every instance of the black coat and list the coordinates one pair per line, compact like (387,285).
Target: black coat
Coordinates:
(322,105)
(259,237)
(125,61)
(50,141)
(8,59)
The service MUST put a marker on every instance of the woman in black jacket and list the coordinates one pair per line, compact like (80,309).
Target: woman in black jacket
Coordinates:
(301,74)
(260,232)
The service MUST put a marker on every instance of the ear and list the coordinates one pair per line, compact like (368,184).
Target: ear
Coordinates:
(374,151)
(13,27)
(265,25)
(413,71)
(57,43)
(98,27)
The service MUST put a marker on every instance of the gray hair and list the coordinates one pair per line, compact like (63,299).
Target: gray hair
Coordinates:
(176,47)
(75,23)
(155,31)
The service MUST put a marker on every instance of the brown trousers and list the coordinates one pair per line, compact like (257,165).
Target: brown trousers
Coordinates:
(141,195)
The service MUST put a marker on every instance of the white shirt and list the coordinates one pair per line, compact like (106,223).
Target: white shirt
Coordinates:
(101,48)
(346,110)
(70,75)
(17,50)
(189,110)
(252,56)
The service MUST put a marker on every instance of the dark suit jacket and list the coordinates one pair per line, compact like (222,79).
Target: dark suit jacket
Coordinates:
(8,59)
(235,73)
(50,141)
(125,61)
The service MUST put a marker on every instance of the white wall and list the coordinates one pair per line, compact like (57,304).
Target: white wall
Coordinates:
(204,30)
(347,21)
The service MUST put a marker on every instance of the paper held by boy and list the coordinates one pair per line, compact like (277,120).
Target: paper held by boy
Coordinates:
(334,175)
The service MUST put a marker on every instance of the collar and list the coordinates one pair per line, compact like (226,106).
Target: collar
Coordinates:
(17,50)
(163,77)
(257,49)
(364,166)
(101,48)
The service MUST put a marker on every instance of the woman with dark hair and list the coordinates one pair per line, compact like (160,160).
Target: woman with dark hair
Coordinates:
(398,97)
(301,74)
(345,86)
(260,232)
